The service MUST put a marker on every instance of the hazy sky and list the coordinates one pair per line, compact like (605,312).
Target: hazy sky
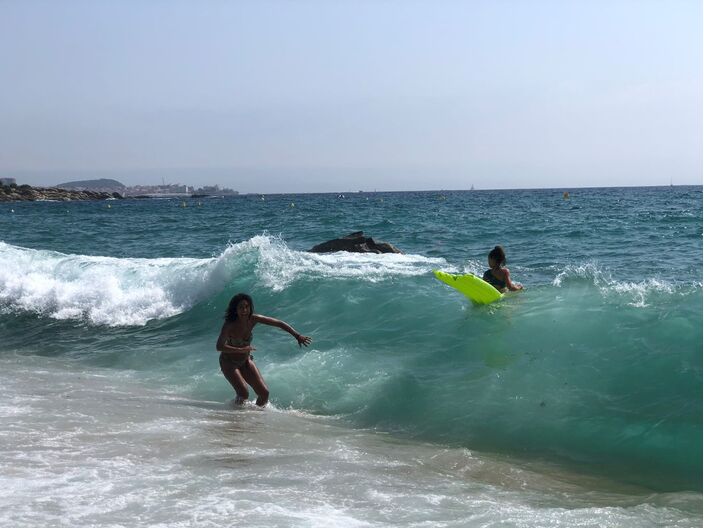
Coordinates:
(337,95)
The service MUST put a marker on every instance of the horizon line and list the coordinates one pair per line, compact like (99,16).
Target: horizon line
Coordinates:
(360,191)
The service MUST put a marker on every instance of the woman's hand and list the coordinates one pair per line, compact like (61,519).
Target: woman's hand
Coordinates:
(302,340)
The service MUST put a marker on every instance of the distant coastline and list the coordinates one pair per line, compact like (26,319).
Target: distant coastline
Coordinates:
(27,193)
(176,190)
(103,189)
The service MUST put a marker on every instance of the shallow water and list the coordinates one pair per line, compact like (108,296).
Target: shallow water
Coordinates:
(117,453)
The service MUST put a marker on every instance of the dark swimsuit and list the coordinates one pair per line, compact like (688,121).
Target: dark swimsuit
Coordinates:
(228,362)
(496,283)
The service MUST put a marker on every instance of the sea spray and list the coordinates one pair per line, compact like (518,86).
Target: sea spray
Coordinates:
(101,290)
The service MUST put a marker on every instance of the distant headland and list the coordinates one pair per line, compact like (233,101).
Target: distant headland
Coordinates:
(147,191)
(102,189)
(11,192)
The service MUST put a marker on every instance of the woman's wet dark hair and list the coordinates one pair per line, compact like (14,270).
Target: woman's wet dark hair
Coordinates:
(231,313)
(498,255)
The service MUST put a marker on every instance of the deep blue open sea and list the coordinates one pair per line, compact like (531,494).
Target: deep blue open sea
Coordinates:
(577,402)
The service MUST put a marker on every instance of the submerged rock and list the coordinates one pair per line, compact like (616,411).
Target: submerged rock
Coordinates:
(355,243)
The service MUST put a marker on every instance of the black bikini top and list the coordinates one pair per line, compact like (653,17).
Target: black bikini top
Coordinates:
(496,283)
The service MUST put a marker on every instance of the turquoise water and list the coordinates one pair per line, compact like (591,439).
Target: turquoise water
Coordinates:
(595,369)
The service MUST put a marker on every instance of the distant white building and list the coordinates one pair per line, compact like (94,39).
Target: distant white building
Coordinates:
(8,181)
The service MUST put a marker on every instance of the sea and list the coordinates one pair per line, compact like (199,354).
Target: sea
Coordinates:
(576,402)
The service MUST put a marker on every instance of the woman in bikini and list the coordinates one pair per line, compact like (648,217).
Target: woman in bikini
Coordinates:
(498,275)
(234,345)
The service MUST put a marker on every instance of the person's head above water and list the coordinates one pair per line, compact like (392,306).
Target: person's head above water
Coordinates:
(241,305)
(498,256)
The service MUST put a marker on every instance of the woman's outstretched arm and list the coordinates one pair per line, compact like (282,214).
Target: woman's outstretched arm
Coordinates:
(302,340)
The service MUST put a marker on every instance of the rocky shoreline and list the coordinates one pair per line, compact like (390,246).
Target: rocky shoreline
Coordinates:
(27,193)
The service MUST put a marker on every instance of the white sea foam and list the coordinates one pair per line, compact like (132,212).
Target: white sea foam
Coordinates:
(83,452)
(132,291)
(636,292)
(278,266)
(101,290)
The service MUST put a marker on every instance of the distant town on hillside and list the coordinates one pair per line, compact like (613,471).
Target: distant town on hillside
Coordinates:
(151,191)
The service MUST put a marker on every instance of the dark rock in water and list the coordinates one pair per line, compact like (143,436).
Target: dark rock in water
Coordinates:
(355,243)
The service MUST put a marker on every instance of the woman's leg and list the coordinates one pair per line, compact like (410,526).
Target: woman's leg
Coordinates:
(251,375)
(235,378)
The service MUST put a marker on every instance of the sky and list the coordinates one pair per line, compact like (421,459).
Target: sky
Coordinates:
(324,96)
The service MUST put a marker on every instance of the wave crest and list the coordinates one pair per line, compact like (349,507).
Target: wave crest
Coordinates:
(101,290)
(638,292)
(278,266)
(132,291)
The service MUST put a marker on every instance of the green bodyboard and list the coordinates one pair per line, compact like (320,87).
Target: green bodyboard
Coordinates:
(476,289)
